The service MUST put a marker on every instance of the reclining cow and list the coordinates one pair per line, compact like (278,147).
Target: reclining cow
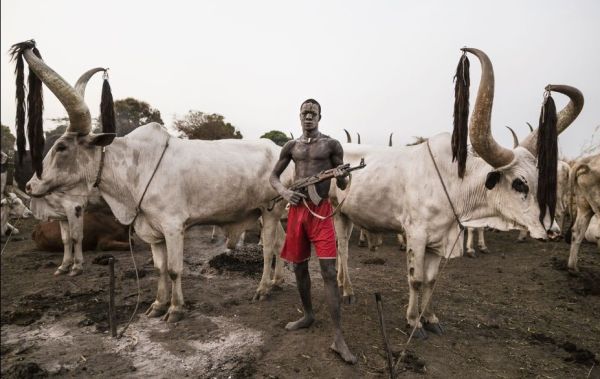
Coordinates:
(584,179)
(204,179)
(12,207)
(498,190)
(100,232)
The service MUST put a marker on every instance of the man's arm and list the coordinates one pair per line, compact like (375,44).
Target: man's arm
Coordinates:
(337,158)
(284,160)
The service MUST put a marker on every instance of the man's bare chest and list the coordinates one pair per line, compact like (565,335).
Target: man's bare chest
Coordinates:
(316,151)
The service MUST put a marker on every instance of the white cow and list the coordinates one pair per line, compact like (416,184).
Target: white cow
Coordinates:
(498,190)
(223,182)
(12,207)
(584,179)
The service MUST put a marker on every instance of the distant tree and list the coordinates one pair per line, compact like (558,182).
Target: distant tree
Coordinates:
(131,113)
(62,123)
(200,125)
(276,136)
(8,139)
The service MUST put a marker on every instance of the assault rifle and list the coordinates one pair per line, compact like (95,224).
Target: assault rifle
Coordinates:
(310,182)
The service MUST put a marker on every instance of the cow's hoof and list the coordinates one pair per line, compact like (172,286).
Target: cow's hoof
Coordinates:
(156,310)
(173,316)
(362,244)
(61,271)
(374,248)
(484,250)
(435,328)
(349,299)
(260,296)
(470,254)
(420,334)
(75,271)
(277,282)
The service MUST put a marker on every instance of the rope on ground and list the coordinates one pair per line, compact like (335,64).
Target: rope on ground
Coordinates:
(10,235)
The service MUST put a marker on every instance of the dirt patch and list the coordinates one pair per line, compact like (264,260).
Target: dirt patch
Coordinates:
(247,260)
(515,312)
(26,370)
(373,261)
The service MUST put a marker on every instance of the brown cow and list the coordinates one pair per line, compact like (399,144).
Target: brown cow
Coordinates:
(101,231)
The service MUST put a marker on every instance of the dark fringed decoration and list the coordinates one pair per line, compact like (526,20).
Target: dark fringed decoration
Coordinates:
(461,114)
(16,52)
(107,108)
(547,151)
(35,119)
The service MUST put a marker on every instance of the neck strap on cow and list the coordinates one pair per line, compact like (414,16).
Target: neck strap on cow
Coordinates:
(460,225)
(100,168)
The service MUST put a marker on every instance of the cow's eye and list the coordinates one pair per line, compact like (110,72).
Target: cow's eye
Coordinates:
(519,186)
(61,147)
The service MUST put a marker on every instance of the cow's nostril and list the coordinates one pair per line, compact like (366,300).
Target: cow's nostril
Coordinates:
(28,188)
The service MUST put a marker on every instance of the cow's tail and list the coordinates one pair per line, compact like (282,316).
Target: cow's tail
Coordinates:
(575,171)
(34,107)
(547,155)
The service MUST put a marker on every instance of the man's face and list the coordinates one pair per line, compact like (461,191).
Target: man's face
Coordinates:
(309,116)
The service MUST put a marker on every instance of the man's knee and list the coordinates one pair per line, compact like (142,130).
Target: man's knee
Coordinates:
(328,269)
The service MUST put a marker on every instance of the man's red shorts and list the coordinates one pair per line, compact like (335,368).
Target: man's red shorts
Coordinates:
(304,228)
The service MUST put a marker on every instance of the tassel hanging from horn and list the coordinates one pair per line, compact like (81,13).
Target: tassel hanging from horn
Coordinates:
(34,107)
(547,154)
(35,119)
(461,114)
(107,108)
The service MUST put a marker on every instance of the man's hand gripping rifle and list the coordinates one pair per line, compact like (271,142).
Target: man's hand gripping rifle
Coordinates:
(310,181)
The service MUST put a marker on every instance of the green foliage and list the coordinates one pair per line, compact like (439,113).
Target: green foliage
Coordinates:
(200,125)
(131,113)
(8,139)
(279,137)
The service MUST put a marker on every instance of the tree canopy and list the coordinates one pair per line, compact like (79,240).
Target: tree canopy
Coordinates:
(131,113)
(279,137)
(200,125)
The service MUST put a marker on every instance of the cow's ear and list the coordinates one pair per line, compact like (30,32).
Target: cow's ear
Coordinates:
(493,177)
(102,139)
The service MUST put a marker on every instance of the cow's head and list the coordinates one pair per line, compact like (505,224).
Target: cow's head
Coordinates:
(71,159)
(515,186)
(15,207)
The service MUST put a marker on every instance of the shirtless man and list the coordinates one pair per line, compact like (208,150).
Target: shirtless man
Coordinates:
(312,153)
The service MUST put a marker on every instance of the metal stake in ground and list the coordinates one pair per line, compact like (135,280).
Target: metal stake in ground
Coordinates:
(384,334)
(111,298)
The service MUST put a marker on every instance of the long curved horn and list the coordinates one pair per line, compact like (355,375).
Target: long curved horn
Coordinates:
(79,114)
(514,135)
(348,138)
(358,134)
(564,118)
(292,135)
(390,143)
(84,79)
(480,124)
(530,127)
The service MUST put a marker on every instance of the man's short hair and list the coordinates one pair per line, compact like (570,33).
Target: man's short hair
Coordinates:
(312,101)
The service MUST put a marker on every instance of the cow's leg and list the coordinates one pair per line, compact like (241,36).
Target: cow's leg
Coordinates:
(522,236)
(76,228)
(278,274)
(213,235)
(174,241)
(373,241)
(415,263)
(343,230)
(401,241)
(432,265)
(470,251)
(362,239)
(481,241)
(271,235)
(160,305)
(67,261)
(578,233)
(108,244)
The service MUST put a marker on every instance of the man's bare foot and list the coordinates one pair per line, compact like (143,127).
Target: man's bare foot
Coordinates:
(340,347)
(304,322)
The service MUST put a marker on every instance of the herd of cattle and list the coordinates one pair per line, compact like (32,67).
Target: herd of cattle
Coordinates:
(96,185)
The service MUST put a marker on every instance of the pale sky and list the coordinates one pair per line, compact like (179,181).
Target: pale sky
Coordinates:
(376,67)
